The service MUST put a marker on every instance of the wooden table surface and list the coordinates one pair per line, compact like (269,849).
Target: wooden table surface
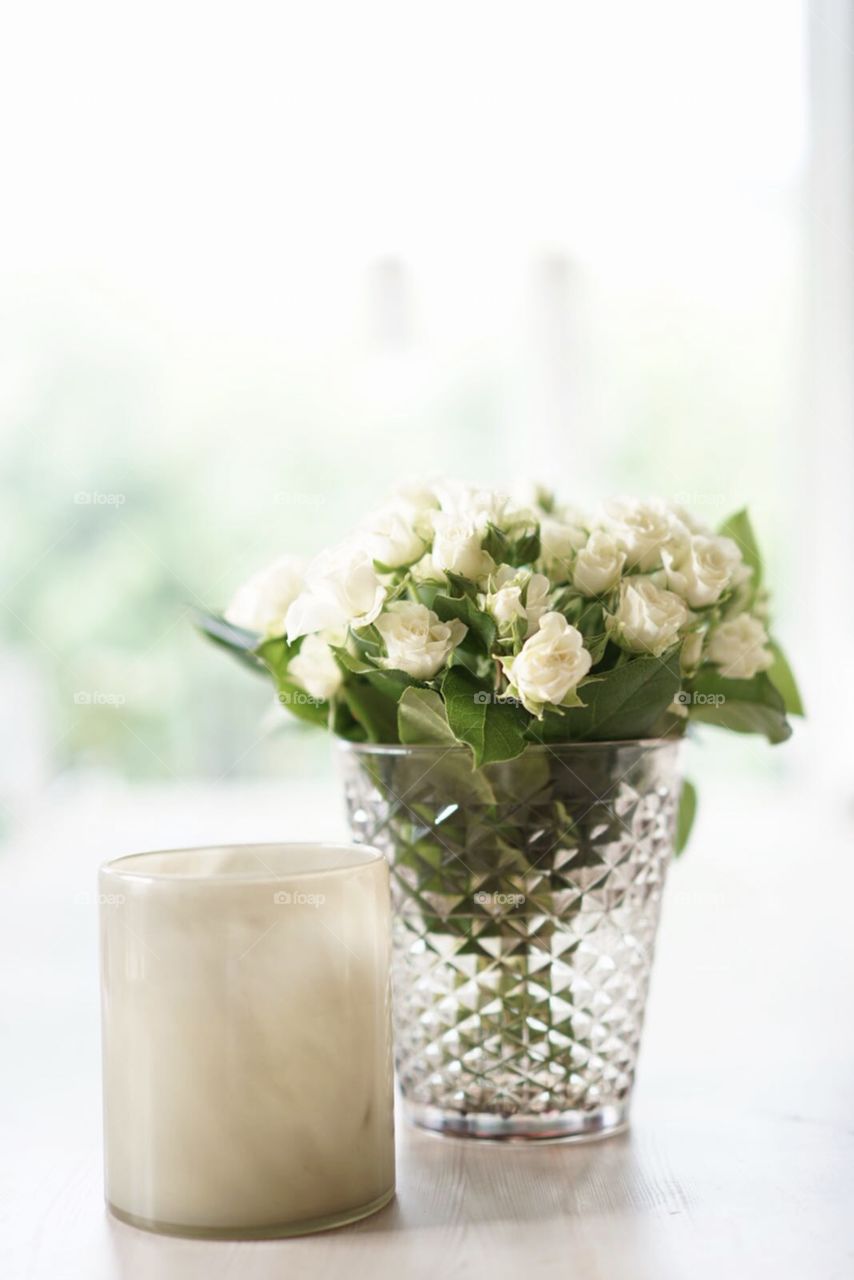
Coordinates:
(740,1159)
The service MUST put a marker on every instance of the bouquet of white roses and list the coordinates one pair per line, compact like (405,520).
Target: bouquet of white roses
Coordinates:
(454,615)
(533,663)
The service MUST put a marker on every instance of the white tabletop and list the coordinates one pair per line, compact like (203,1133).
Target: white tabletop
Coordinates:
(740,1160)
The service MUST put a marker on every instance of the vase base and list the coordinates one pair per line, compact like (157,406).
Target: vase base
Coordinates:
(560,1126)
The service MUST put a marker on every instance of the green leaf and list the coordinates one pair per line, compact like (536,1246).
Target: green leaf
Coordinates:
(480,625)
(478,663)
(686,815)
(596,646)
(621,704)
(526,549)
(424,592)
(782,677)
(275,655)
(366,641)
(739,528)
(350,661)
(375,711)
(745,706)
(496,544)
(591,623)
(343,723)
(494,730)
(302,705)
(545,499)
(241,643)
(422,718)
(389,681)
(464,586)
(568,601)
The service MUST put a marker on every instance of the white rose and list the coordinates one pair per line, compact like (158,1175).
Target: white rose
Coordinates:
(648,618)
(416,503)
(262,602)
(457,549)
(745,597)
(504,605)
(415,499)
(549,665)
(517,593)
(641,529)
(416,641)
(559,541)
(701,568)
(391,538)
(691,653)
(479,506)
(536,600)
(426,570)
(482,507)
(543,501)
(598,565)
(314,668)
(738,647)
(341,587)
(683,516)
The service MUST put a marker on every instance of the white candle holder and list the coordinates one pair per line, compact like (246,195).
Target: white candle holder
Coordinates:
(246,1039)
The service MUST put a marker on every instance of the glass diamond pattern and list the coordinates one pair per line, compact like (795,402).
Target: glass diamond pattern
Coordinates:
(526,901)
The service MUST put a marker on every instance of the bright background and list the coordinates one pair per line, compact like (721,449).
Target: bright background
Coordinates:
(258,264)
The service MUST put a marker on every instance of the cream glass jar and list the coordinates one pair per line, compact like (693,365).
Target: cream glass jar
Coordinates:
(246,1038)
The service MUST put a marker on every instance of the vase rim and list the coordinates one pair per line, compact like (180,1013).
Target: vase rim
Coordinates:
(403,748)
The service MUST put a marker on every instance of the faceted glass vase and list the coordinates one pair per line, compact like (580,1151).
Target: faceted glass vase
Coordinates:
(526,899)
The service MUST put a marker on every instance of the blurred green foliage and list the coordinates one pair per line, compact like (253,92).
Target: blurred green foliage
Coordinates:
(148,471)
